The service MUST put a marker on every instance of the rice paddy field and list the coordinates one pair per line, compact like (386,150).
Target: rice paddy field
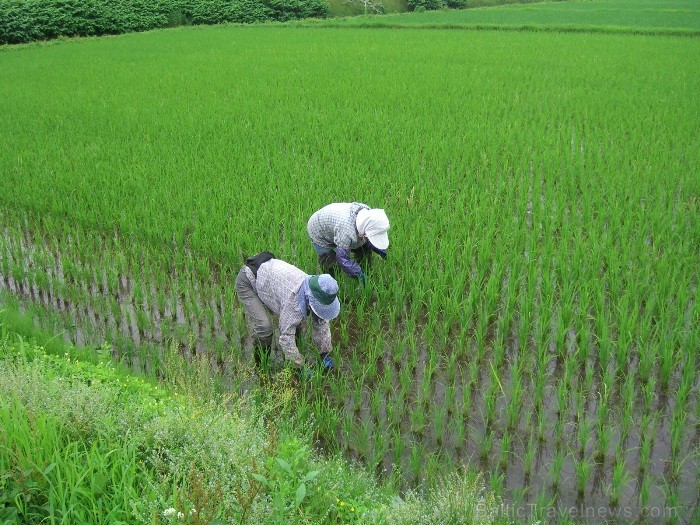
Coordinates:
(537,317)
(627,16)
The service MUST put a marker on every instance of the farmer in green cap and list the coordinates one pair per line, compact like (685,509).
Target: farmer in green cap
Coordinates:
(265,284)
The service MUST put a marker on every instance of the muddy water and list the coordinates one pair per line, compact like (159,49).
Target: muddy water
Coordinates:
(526,483)
(94,304)
(133,308)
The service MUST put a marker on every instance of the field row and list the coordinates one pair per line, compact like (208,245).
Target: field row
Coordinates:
(620,433)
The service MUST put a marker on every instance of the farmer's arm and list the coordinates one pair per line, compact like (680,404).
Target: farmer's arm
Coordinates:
(350,267)
(288,328)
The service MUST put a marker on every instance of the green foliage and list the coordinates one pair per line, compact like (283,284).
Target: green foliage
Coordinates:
(82,440)
(609,16)
(21,494)
(455,499)
(288,479)
(363,7)
(424,5)
(28,20)
(284,10)
(55,471)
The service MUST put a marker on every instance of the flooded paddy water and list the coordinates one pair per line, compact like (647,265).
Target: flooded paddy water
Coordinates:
(589,449)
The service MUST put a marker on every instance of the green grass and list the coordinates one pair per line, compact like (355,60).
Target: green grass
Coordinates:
(46,473)
(86,442)
(162,140)
(637,16)
(341,8)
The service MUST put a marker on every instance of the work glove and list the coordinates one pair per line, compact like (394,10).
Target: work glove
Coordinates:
(326,362)
(305,373)
(362,278)
(381,253)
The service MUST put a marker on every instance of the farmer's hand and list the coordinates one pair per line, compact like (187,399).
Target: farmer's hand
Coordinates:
(381,253)
(326,362)
(305,373)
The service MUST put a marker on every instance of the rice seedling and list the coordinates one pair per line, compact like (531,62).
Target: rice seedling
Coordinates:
(460,431)
(415,460)
(363,436)
(473,375)
(505,448)
(582,471)
(685,385)
(542,505)
(376,398)
(485,446)
(602,427)
(496,482)
(514,407)
(538,391)
(398,446)
(619,479)
(555,469)
(394,413)
(377,452)
(667,363)
(583,435)
(490,398)
(418,420)
(672,503)
(644,489)
(563,396)
(648,427)
(357,395)
(439,418)
(677,431)
(649,393)
(528,456)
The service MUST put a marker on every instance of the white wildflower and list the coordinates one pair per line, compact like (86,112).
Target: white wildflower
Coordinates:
(169,513)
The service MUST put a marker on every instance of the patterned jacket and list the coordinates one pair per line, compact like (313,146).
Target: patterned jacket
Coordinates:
(281,287)
(334,227)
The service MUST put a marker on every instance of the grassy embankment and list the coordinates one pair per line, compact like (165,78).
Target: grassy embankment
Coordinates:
(600,16)
(83,441)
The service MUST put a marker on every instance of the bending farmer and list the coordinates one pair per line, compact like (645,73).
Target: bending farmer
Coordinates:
(267,284)
(340,228)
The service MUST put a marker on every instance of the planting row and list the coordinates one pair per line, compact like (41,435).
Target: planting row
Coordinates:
(544,418)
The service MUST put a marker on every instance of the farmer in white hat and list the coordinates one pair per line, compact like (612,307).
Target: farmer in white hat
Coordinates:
(265,285)
(342,228)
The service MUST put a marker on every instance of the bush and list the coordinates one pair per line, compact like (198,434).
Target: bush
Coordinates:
(283,10)
(27,20)
(423,5)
